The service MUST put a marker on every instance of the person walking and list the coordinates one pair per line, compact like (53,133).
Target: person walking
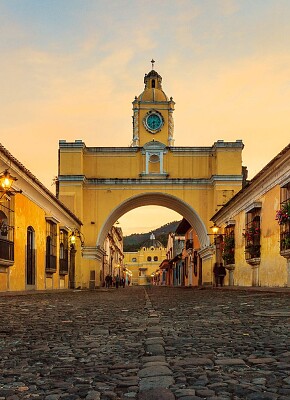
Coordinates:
(221,274)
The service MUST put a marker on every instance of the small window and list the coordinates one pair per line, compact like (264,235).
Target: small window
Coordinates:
(149,258)
(153,83)
(134,259)
(155,258)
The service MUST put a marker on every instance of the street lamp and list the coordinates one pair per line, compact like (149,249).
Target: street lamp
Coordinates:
(214,229)
(74,235)
(6,182)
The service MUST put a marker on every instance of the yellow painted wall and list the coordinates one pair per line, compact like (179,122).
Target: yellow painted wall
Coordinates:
(28,214)
(129,165)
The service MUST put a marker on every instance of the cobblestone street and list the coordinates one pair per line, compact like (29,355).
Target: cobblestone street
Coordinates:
(147,344)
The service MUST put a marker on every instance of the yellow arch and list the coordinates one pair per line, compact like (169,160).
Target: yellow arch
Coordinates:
(157,199)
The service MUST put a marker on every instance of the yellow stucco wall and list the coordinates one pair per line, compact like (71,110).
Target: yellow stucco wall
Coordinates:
(28,214)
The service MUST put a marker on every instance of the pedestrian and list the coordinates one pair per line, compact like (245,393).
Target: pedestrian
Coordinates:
(123,282)
(129,282)
(216,274)
(221,273)
(107,280)
(117,281)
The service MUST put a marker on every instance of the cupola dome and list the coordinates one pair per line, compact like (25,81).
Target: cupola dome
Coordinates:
(153,88)
(152,242)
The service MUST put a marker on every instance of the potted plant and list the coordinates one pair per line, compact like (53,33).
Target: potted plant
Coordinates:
(252,236)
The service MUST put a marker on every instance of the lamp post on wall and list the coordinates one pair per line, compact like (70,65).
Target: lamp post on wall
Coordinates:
(75,234)
(6,182)
(218,237)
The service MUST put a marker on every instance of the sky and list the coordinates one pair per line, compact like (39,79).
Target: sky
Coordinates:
(70,69)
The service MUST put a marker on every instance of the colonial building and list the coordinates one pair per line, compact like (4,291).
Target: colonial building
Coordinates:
(254,236)
(183,265)
(40,239)
(113,263)
(100,184)
(144,262)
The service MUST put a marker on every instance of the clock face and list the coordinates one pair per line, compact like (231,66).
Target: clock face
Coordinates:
(153,122)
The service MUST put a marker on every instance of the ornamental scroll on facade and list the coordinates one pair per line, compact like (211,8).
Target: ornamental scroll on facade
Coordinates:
(135,129)
(170,129)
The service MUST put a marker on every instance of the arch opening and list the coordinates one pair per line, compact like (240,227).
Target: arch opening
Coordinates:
(156,199)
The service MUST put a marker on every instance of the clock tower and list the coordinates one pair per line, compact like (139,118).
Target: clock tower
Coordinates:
(153,113)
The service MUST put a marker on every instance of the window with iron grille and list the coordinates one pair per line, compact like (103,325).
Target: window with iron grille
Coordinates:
(283,216)
(252,234)
(228,245)
(63,252)
(51,240)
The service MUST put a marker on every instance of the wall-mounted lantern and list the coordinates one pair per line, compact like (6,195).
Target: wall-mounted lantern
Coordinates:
(6,182)
(76,234)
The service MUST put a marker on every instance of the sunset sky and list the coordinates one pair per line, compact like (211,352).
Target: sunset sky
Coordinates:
(70,69)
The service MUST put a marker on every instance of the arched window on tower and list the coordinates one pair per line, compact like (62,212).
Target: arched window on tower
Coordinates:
(153,83)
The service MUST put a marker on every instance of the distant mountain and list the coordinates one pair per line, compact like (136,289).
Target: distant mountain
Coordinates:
(134,241)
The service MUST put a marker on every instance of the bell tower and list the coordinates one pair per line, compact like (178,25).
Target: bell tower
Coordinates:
(153,113)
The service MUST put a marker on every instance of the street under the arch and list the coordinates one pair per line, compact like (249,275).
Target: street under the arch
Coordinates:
(145,343)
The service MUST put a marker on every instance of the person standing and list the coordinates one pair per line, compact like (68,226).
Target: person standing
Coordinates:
(117,281)
(216,274)
(107,280)
(221,273)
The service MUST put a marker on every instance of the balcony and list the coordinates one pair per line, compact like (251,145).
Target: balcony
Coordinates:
(63,266)
(50,265)
(6,252)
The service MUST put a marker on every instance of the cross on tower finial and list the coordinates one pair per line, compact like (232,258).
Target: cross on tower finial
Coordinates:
(152,62)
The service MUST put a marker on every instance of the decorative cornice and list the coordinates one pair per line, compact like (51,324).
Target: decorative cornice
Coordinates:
(150,180)
(207,252)
(254,205)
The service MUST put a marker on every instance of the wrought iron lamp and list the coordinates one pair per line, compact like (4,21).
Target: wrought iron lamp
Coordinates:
(215,233)
(76,234)
(6,182)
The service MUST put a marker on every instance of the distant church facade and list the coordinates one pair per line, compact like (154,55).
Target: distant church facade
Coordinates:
(100,184)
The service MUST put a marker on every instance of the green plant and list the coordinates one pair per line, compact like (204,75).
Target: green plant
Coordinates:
(285,243)
(228,249)
(253,251)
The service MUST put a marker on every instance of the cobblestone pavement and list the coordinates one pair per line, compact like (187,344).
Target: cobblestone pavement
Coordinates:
(145,344)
